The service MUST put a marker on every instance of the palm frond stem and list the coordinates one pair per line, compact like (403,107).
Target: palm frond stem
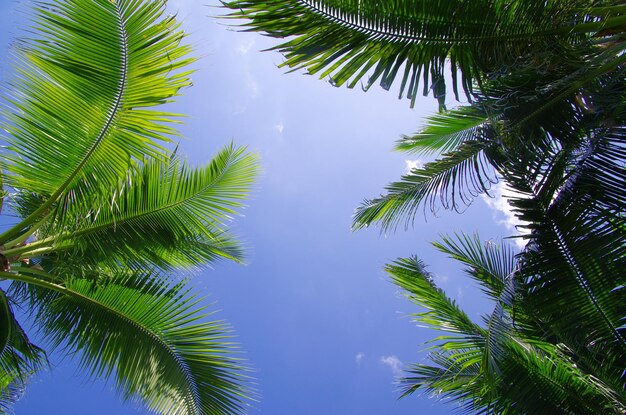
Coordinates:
(34,217)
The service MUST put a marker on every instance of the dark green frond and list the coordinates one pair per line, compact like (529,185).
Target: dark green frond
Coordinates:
(19,358)
(576,252)
(452,182)
(410,40)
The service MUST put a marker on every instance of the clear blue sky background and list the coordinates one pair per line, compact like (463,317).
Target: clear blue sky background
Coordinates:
(324,329)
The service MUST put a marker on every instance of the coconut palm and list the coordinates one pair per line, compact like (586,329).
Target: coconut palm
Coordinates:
(517,361)
(104,212)
(546,84)
(529,68)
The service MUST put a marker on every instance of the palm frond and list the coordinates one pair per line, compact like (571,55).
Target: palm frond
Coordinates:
(164,213)
(80,106)
(442,312)
(452,182)
(19,358)
(576,254)
(445,131)
(411,40)
(149,335)
(487,263)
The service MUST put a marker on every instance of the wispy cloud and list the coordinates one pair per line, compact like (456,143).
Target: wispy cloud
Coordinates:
(394,364)
(280,127)
(244,47)
(503,213)
(412,164)
(359,357)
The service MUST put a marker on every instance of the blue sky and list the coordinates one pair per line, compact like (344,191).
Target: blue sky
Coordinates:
(318,320)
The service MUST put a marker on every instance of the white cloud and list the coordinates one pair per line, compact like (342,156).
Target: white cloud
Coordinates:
(503,214)
(244,47)
(359,357)
(412,164)
(394,364)
(280,127)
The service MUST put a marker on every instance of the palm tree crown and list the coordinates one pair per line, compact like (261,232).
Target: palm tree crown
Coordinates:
(106,212)
(545,84)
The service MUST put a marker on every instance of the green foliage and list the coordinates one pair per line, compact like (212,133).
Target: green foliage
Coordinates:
(545,81)
(106,212)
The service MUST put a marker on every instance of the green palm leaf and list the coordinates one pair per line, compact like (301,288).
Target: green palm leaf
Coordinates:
(576,255)
(445,131)
(500,370)
(411,40)
(164,213)
(149,335)
(452,181)
(19,358)
(487,263)
(81,102)
(442,312)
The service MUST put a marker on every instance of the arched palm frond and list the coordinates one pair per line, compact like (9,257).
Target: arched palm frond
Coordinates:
(573,204)
(19,358)
(412,40)
(452,182)
(504,370)
(163,214)
(148,334)
(81,103)
(488,263)
(444,132)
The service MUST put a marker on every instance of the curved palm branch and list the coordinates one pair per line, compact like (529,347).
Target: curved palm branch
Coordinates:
(81,106)
(149,335)
(452,181)
(412,39)
(503,370)
(445,131)
(19,358)
(489,264)
(164,213)
(576,254)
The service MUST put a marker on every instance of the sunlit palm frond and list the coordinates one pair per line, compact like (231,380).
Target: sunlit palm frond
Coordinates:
(452,182)
(148,334)
(81,102)
(442,312)
(164,213)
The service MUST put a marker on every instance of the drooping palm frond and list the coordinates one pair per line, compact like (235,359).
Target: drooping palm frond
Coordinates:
(451,182)
(19,358)
(164,213)
(442,312)
(80,105)
(412,39)
(488,263)
(502,371)
(576,254)
(148,334)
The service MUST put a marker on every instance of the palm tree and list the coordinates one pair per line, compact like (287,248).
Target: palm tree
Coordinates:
(546,85)
(512,363)
(104,212)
